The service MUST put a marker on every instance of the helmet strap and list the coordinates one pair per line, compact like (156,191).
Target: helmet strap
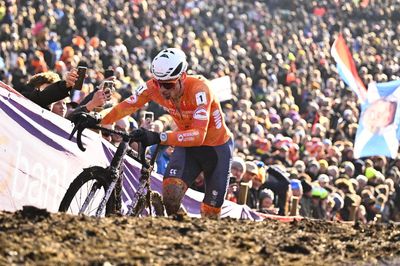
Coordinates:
(180,92)
(180,88)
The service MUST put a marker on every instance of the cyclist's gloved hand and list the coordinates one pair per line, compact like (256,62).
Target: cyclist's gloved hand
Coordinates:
(146,137)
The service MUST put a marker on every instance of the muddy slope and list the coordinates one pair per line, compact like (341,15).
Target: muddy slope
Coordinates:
(37,237)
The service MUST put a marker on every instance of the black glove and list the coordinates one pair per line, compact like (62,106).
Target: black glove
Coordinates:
(85,120)
(146,137)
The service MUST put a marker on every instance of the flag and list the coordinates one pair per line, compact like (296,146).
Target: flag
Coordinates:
(347,68)
(378,132)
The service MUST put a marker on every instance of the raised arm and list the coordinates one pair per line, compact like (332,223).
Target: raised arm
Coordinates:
(129,106)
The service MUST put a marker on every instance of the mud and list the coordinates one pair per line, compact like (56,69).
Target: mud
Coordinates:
(33,236)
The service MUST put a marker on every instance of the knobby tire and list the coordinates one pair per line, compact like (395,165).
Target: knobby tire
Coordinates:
(94,173)
(157,203)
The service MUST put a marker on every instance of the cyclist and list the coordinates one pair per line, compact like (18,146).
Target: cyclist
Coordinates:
(202,141)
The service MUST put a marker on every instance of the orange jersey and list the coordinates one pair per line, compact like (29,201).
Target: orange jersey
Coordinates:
(199,115)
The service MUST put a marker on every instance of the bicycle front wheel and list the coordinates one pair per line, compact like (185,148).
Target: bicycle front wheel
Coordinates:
(86,192)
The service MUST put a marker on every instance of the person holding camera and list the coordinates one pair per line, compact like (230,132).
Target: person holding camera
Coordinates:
(46,88)
(202,140)
(96,99)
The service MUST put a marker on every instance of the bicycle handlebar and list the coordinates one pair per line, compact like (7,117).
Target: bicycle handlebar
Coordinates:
(79,127)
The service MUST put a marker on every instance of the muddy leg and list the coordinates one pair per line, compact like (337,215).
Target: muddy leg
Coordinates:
(173,191)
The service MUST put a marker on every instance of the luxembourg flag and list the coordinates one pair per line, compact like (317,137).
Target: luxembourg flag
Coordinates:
(347,68)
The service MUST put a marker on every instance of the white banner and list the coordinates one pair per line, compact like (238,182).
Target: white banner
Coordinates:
(222,88)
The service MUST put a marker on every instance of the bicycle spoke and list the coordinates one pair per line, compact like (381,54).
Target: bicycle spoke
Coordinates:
(86,199)
(89,197)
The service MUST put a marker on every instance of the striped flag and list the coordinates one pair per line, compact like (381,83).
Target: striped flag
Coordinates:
(347,68)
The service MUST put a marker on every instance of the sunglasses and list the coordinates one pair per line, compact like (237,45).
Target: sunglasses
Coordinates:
(167,85)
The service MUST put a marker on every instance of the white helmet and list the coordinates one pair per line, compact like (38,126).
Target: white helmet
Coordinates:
(169,64)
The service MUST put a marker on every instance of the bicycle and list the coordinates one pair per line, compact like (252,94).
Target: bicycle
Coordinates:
(85,188)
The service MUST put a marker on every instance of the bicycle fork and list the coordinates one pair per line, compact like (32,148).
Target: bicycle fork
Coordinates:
(104,200)
(106,197)
(89,197)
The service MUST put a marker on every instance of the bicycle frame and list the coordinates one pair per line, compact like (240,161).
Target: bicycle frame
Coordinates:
(115,174)
(144,186)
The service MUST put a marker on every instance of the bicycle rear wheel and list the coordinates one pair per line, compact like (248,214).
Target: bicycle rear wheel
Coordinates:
(89,186)
(157,204)
(139,207)
(142,208)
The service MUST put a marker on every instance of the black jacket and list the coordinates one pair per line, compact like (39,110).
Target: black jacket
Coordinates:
(52,93)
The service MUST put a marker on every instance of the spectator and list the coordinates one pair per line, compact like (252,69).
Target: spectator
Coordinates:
(252,177)
(266,204)
(46,88)
(238,168)
(284,84)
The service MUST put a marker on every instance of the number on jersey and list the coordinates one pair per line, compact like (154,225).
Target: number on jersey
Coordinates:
(201,98)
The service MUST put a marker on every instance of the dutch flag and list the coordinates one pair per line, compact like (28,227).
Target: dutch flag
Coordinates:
(347,68)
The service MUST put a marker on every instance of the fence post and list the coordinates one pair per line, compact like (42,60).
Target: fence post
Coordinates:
(293,206)
(378,218)
(243,190)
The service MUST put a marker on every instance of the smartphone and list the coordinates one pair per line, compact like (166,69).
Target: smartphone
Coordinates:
(108,73)
(81,77)
(149,116)
(108,87)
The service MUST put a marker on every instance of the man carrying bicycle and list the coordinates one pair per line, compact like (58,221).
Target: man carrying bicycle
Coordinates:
(202,141)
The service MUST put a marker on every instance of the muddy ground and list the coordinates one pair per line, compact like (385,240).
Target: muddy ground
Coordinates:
(38,237)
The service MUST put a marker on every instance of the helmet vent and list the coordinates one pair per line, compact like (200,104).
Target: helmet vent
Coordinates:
(177,70)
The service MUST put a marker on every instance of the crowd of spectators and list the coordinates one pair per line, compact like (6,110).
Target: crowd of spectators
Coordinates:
(293,119)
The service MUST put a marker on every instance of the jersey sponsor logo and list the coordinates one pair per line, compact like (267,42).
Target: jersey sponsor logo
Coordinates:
(140,89)
(132,99)
(173,172)
(185,113)
(188,136)
(217,119)
(201,98)
(191,134)
(200,114)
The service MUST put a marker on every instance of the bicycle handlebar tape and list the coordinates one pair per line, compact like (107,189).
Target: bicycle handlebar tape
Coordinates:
(79,139)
